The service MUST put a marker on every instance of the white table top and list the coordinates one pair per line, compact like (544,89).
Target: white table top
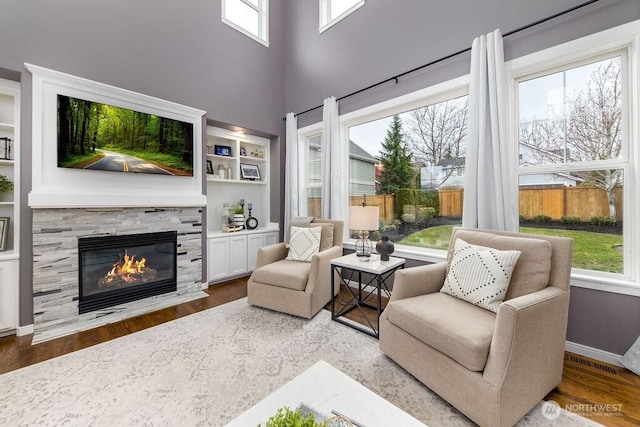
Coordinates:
(325,388)
(374,265)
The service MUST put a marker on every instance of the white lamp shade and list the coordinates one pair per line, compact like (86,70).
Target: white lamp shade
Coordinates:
(364,217)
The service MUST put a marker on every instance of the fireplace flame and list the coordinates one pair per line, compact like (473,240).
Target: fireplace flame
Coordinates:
(127,269)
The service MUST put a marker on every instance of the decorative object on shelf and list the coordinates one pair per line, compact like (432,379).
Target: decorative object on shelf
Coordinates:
(385,248)
(223,150)
(252,223)
(229,171)
(4,233)
(251,172)
(222,171)
(238,221)
(5,148)
(362,219)
(238,216)
(243,151)
(209,167)
(6,185)
(224,220)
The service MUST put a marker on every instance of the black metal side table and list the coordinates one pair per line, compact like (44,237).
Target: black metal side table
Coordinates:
(356,298)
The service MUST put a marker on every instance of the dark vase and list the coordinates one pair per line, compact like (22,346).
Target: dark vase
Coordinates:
(385,248)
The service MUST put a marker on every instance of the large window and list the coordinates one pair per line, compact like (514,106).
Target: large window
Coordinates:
(313,178)
(250,17)
(332,11)
(403,162)
(573,158)
(576,129)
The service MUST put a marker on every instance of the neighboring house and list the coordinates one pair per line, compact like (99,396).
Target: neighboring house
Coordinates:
(450,172)
(362,169)
(447,173)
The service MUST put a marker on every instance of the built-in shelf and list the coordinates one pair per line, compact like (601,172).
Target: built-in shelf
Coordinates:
(252,159)
(10,209)
(267,229)
(216,156)
(235,181)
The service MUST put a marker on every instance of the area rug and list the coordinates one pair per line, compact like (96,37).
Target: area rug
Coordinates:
(208,368)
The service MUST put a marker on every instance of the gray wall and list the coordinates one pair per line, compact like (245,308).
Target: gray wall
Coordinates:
(385,38)
(174,50)
(180,51)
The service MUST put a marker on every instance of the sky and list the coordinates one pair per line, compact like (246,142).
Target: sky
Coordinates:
(369,136)
(536,96)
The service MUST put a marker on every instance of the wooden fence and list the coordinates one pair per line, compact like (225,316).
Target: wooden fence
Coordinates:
(384,202)
(556,202)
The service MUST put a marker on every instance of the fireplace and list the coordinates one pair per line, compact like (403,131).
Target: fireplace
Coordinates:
(119,269)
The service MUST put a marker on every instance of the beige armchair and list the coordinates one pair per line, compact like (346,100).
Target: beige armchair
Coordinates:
(494,368)
(296,287)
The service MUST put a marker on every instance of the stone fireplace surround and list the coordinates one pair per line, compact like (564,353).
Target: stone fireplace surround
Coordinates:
(71,203)
(55,263)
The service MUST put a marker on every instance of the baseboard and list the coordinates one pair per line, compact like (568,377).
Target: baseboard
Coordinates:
(24,330)
(593,353)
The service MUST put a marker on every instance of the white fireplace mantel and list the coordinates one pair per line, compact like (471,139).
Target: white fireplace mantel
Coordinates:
(56,187)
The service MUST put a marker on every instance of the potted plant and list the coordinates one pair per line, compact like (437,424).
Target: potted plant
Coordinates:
(286,417)
(6,185)
(238,216)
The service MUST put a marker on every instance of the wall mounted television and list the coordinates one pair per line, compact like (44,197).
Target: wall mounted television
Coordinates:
(97,136)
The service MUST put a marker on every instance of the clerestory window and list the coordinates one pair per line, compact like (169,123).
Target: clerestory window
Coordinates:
(250,17)
(333,11)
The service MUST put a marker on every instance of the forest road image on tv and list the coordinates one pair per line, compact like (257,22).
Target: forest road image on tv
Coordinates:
(97,136)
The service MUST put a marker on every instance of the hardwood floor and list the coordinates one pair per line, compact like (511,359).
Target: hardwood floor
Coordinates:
(602,392)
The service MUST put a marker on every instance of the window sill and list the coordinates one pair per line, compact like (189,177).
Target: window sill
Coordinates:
(579,278)
(339,18)
(245,32)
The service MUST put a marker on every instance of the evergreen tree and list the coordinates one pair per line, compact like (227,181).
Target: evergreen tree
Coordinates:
(396,161)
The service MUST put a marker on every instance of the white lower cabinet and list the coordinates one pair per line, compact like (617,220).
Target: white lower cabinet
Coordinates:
(235,255)
(218,254)
(254,242)
(8,295)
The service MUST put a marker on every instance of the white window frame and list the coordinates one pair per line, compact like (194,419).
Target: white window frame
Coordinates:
(626,36)
(304,133)
(623,39)
(432,95)
(325,13)
(263,21)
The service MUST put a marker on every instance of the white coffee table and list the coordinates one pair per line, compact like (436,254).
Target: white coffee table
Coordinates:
(324,388)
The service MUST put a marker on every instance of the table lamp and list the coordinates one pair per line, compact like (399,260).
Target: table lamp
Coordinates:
(362,219)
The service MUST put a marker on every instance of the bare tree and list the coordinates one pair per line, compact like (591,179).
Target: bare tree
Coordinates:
(595,127)
(592,130)
(438,132)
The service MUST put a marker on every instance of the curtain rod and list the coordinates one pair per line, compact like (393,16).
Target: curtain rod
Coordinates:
(444,58)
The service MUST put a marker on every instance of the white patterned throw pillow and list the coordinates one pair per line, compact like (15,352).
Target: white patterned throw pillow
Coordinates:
(479,275)
(304,243)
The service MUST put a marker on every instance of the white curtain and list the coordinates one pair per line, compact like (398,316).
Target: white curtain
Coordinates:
(631,359)
(332,174)
(292,179)
(490,190)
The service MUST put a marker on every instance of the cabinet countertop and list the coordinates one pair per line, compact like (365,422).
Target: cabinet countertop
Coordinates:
(218,233)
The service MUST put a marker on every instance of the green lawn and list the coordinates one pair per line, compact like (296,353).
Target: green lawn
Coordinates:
(591,251)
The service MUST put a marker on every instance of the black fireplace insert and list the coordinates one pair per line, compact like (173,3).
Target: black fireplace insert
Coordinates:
(119,269)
